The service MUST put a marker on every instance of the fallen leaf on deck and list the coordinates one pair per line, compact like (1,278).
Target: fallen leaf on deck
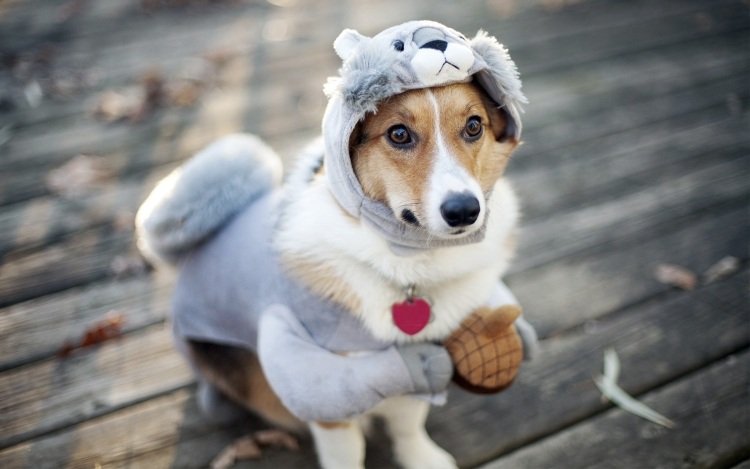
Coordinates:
(676,276)
(275,437)
(132,103)
(218,57)
(722,269)
(126,266)
(33,93)
(249,447)
(607,384)
(116,105)
(78,175)
(107,329)
(184,93)
(243,448)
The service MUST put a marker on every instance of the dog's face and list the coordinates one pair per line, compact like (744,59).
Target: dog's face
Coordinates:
(432,155)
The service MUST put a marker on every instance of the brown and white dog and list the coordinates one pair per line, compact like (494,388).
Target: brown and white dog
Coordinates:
(436,156)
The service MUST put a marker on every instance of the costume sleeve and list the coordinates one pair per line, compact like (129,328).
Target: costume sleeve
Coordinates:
(318,385)
(503,296)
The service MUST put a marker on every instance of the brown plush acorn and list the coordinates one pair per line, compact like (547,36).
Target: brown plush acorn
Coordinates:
(486,349)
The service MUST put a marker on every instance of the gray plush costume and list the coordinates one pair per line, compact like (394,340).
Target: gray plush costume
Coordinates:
(215,218)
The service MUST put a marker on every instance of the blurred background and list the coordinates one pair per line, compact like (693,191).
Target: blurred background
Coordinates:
(633,178)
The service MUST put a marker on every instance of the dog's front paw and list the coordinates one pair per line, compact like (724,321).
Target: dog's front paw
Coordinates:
(423,453)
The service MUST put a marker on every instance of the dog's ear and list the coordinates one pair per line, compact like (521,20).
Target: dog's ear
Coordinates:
(356,138)
(503,125)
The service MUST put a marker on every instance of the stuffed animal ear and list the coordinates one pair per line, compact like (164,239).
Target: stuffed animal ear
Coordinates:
(347,42)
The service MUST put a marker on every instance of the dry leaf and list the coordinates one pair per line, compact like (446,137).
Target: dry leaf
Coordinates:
(275,437)
(126,266)
(607,384)
(107,329)
(184,93)
(218,57)
(249,447)
(676,276)
(78,176)
(132,103)
(112,105)
(243,448)
(722,269)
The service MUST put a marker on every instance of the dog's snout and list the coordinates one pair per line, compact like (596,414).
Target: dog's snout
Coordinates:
(436,44)
(460,209)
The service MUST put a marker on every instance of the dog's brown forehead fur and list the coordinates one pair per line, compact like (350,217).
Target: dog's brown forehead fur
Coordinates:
(386,172)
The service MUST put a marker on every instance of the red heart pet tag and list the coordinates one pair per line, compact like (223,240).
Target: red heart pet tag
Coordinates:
(411,316)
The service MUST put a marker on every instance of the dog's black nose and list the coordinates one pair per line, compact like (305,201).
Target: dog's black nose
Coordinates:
(460,209)
(436,44)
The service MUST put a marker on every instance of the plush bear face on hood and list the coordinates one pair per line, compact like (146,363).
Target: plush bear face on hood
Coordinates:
(413,55)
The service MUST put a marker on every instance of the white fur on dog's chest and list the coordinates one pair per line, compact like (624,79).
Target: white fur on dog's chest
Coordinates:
(455,280)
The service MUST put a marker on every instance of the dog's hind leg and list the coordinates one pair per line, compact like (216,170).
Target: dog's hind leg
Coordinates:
(236,373)
(340,445)
(405,419)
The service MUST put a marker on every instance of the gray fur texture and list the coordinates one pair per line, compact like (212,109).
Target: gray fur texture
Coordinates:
(198,197)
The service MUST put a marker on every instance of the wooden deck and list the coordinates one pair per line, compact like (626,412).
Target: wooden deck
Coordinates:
(636,154)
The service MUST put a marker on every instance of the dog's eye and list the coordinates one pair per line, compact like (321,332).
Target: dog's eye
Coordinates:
(399,135)
(473,129)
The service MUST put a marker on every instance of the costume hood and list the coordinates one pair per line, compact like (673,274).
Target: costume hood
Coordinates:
(416,54)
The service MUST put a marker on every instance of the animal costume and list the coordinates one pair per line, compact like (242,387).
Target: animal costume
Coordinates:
(216,217)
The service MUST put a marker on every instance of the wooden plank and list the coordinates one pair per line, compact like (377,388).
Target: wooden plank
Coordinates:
(163,432)
(614,165)
(84,258)
(101,134)
(27,151)
(643,34)
(592,88)
(635,216)
(56,393)
(153,146)
(37,329)
(639,75)
(576,291)
(556,389)
(54,109)
(632,118)
(557,386)
(709,406)
(45,220)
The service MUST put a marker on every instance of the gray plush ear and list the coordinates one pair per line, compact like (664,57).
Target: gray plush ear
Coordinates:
(347,42)
(501,79)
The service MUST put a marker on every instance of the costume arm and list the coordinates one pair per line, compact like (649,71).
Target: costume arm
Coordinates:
(503,296)
(318,385)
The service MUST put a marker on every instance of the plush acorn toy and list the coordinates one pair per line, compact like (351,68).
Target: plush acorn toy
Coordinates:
(486,349)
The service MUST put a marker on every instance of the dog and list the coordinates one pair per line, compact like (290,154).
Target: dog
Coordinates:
(433,158)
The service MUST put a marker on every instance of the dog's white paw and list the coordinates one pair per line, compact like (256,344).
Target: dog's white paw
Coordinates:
(423,453)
